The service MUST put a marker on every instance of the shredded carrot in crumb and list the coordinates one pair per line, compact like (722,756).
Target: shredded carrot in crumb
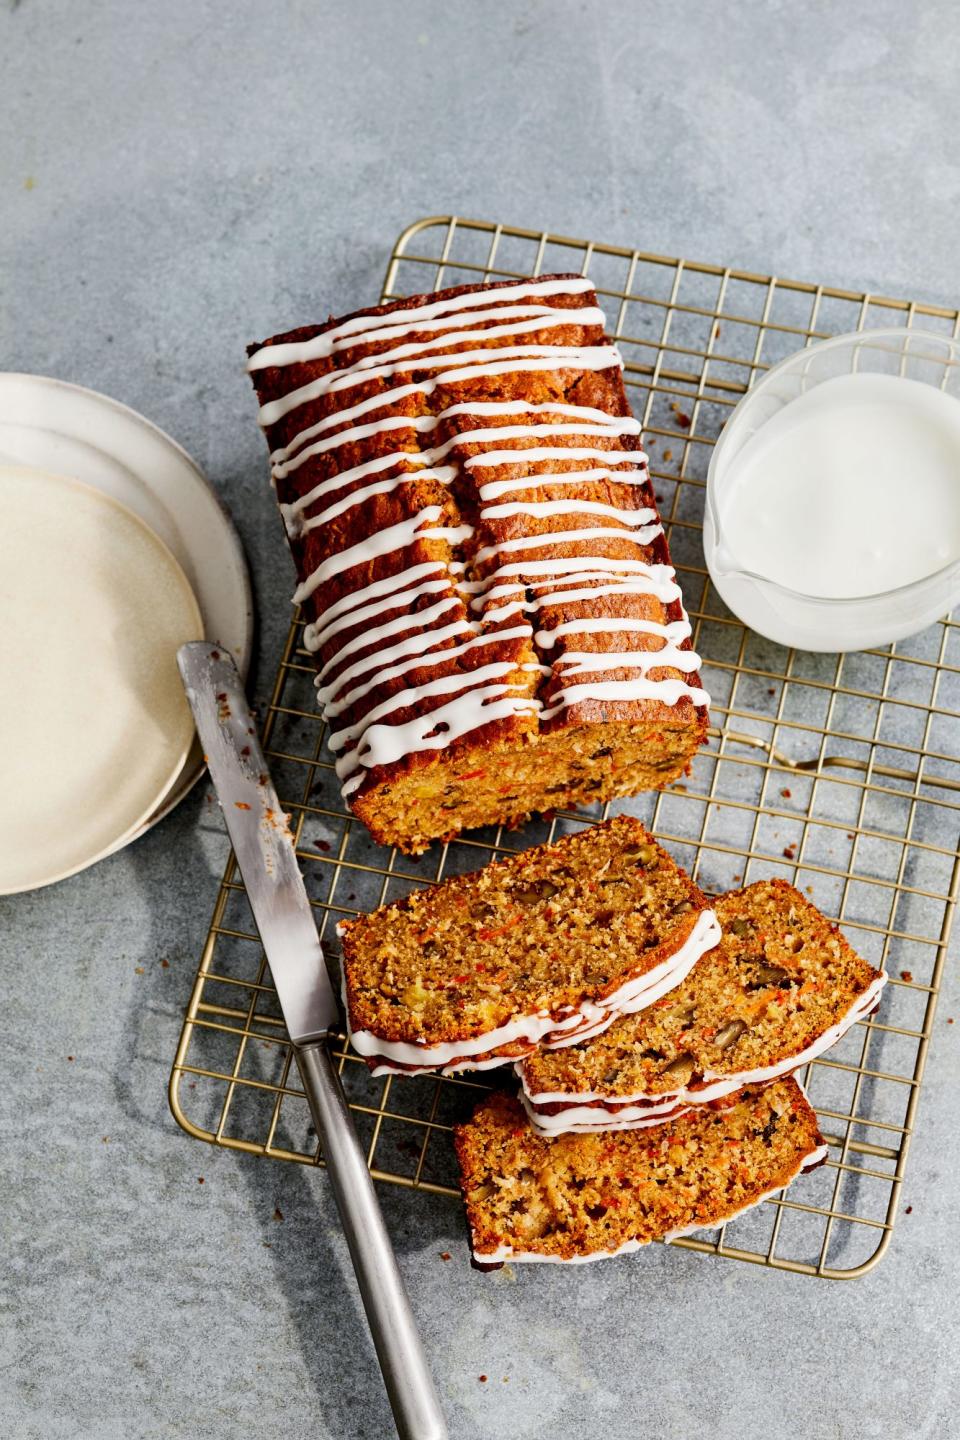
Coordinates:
(471,775)
(486,934)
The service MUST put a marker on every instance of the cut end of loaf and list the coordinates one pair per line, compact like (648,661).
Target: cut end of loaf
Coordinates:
(509,780)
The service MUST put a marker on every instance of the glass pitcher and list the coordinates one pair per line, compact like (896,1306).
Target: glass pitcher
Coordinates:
(812,622)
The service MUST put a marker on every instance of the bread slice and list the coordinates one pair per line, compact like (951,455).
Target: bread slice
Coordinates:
(543,948)
(587,1197)
(782,986)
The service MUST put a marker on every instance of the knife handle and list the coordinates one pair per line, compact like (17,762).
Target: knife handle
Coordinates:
(413,1398)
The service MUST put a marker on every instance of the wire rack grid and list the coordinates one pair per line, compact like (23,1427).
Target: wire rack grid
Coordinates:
(839,772)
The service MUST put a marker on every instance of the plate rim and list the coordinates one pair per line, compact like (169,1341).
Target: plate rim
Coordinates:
(143,818)
(230,529)
(192,767)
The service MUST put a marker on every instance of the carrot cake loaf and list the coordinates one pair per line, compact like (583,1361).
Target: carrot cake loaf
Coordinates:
(782,986)
(492,610)
(543,948)
(587,1197)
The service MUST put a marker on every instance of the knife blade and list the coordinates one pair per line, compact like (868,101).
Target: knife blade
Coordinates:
(261,840)
(265,854)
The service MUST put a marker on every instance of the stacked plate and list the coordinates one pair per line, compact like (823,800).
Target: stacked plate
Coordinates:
(113,551)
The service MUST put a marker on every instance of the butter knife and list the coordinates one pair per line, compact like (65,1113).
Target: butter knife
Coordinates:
(264,850)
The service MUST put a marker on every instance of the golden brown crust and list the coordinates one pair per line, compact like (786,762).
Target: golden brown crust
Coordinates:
(579,1195)
(390,814)
(539,932)
(780,979)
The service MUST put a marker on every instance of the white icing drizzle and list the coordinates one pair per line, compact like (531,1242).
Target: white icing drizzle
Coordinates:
(668,692)
(419,350)
(560,597)
(644,580)
(338,482)
(380,487)
(589,662)
(478,703)
(398,626)
(469,364)
(396,320)
(386,594)
(594,1120)
(426,424)
(393,396)
(430,457)
(617,424)
(599,567)
(495,488)
(526,454)
(551,1031)
(674,632)
(535,453)
(539,508)
(405,638)
(566,537)
(386,743)
(385,666)
(535,313)
(636,1112)
(395,537)
(421,424)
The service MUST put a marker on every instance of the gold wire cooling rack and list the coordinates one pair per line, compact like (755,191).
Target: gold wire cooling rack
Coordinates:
(839,772)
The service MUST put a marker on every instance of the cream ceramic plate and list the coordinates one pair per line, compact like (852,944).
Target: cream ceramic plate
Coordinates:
(79,433)
(94,728)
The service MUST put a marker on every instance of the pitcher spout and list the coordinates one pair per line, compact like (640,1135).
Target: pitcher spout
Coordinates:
(724,563)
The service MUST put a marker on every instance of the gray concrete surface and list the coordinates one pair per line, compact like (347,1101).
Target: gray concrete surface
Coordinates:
(178,178)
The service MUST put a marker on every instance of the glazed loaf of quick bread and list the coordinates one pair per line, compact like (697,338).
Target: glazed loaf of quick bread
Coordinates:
(492,610)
